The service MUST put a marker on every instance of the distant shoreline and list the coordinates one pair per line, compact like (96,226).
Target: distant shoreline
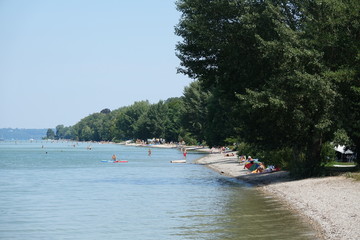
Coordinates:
(178,146)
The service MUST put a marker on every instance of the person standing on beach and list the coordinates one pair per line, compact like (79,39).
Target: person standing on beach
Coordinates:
(185,153)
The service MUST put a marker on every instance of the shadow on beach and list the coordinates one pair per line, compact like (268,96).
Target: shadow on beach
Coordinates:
(230,166)
(261,179)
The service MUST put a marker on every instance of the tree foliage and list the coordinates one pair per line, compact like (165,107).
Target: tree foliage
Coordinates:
(50,134)
(284,67)
(63,132)
(195,111)
(140,120)
(127,118)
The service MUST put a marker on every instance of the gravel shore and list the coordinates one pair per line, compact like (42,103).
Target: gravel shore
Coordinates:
(331,204)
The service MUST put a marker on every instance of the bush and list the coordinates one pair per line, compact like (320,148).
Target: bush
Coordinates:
(247,150)
(280,158)
(327,153)
(188,139)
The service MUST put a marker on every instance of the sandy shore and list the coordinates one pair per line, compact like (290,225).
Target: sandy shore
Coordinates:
(331,204)
(231,167)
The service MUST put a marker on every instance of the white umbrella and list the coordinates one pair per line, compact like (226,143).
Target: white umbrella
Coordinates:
(349,152)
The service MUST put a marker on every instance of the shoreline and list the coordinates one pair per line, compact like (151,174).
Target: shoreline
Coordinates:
(231,167)
(329,204)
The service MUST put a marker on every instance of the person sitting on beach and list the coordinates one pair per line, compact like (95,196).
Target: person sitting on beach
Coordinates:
(249,160)
(269,169)
(229,154)
(260,169)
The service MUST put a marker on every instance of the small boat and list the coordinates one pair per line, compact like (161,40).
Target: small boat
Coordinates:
(118,161)
(178,161)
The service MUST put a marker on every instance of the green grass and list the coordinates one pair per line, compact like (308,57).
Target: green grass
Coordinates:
(353,175)
(350,171)
(330,164)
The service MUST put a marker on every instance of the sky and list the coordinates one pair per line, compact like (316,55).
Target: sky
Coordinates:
(62,60)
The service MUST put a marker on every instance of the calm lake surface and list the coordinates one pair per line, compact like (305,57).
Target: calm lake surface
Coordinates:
(58,191)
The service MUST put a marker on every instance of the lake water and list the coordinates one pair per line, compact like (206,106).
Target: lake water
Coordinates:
(64,191)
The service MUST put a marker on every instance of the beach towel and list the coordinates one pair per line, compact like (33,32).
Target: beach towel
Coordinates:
(254,167)
(248,165)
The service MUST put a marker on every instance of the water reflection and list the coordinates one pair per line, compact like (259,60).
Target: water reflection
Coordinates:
(243,213)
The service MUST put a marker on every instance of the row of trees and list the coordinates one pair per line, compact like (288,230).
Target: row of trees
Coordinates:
(191,118)
(141,120)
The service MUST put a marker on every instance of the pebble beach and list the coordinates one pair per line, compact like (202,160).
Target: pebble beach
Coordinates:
(330,204)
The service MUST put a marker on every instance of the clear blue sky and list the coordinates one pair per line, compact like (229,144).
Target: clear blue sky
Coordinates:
(62,60)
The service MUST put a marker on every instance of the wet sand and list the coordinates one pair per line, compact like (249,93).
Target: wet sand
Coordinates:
(331,204)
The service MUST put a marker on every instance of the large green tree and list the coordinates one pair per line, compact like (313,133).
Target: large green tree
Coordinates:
(95,127)
(50,134)
(266,61)
(175,110)
(223,49)
(126,120)
(195,110)
(334,27)
(63,132)
(153,123)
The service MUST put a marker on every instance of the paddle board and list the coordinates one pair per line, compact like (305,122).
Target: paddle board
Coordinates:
(111,161)
(178,161)
(107,161)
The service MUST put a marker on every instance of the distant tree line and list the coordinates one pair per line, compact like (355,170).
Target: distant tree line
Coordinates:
(175,120)
(280,79)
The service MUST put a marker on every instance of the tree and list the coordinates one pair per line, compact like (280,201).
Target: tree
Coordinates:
(220,120)
(105,111)
(99,127)
(152,123)
(87,134)
(195,110)
(260,58)
(124,126)
(222,48)
(175,110)
(50,134)
(63,132)
(335,29)
(60,130)
(126,120)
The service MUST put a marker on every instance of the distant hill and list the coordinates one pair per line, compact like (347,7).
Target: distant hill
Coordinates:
(22,134)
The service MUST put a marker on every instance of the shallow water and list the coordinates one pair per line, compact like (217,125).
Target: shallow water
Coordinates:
(64,191)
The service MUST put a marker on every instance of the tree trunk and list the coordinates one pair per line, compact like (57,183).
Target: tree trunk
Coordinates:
(313,157)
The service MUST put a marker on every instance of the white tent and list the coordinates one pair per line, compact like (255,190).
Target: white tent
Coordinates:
(340,148)
(349,152)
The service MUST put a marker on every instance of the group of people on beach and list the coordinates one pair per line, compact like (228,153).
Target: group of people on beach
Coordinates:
(255,166)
